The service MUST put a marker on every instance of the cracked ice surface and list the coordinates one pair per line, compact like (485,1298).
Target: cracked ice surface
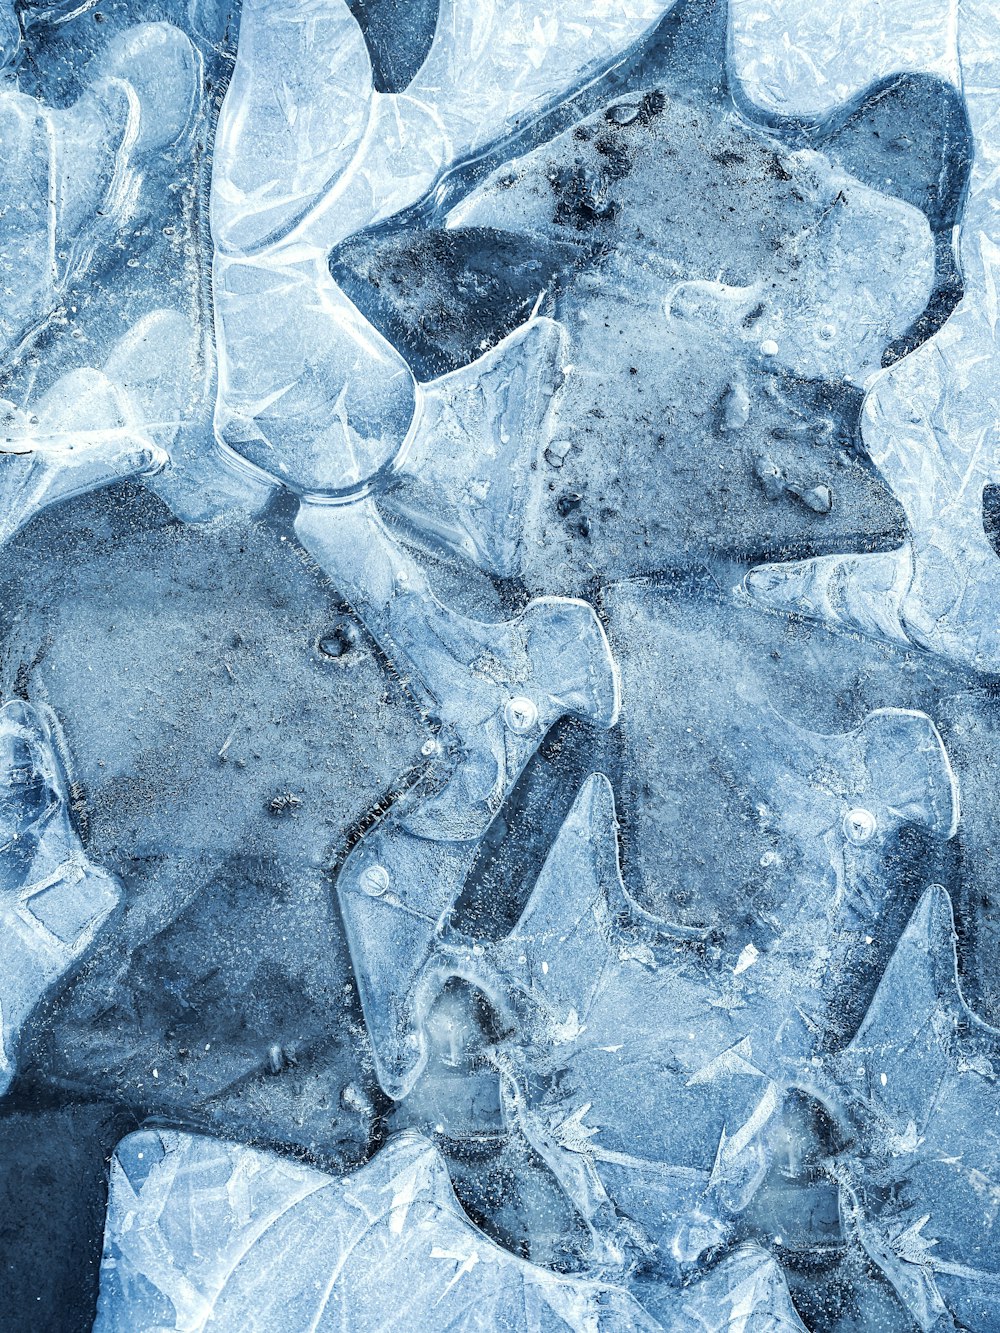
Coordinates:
(195,1229)
(54,899)
(937,1258)
(515,926)
(930,428)
(803,59)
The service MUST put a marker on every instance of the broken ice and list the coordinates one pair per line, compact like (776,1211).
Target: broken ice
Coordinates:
(54,899)
(499,519)
(203,1234)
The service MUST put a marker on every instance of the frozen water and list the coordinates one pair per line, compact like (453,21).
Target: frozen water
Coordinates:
(467,475)
(496,690)
(650,1057)
(10,34)
(747,1290)
(816,812)
(206,1235)
(284,192)
(929,430)
(72,176)
(498,514)
(92,428)
(769,306)
(799,59)
(219,751)
(922,1068)
(54,900)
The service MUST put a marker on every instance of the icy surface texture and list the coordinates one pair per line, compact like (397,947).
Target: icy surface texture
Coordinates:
(198,1231)
(496,689)
(54,899)
(805,60)
(284,191)
(102,181)
(930,429)
(923,1069)
(498,666)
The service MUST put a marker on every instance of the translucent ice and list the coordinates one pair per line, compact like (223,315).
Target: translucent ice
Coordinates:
(284,192)
(656,1060)
(725,290)
(84,432)
(746,1291)
(798,59)
(71,175)
(922,1070)
(53,900)
(466,479)
(554,318)
(208,1235)
(816,813)
(276,166)
(221,750)
(929,427)
(496,690)
(10,33)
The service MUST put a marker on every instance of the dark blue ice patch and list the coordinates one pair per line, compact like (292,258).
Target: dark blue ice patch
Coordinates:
(398,34)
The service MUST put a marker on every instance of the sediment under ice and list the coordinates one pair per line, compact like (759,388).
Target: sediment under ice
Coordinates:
(497,665)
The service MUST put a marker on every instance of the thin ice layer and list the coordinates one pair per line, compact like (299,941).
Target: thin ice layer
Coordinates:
(642,1052)
(813,814)
(929,426)
(72,176)
(496,690)
(220,711)
(203,1235)
(284,192)
(724,292)
(922,1074)
(53,900)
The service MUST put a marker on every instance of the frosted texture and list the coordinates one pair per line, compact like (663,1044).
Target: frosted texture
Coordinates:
(499,512)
